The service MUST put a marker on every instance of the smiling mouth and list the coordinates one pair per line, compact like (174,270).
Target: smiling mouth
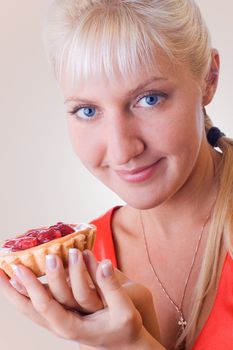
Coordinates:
(139,174)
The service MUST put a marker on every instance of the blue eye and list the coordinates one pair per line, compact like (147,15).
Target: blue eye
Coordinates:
(150,100)
(86,112)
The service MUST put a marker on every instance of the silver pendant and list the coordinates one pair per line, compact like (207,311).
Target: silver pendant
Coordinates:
(182,323)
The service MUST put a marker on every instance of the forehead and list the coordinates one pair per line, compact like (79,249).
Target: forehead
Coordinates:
(161,71)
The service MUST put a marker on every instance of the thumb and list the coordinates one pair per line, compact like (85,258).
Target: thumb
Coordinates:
(114,294)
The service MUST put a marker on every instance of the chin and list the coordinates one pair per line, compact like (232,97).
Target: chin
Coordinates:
(144,196)
(144,201)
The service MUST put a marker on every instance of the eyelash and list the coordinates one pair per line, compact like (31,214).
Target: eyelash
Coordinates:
(149,93)
(78,108)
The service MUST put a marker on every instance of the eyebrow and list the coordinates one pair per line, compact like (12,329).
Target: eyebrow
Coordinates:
(130,92)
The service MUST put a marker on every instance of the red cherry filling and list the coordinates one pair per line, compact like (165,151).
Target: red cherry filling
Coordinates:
(64,229)
(39,236)
(25,243)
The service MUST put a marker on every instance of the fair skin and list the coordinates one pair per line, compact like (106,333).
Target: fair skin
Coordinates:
(129,131)
(184,183)
(101,328)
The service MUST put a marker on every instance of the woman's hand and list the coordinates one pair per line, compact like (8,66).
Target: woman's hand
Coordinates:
(85,295)
(119,324)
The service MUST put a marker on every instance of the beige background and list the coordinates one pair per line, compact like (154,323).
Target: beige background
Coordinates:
(41,180)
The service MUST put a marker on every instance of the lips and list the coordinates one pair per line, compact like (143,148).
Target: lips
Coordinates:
(139,174)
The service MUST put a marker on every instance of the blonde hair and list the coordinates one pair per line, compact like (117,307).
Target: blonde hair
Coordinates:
(86,38)
(90,37)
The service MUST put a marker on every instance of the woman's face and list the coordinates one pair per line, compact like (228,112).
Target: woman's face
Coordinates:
(152,121)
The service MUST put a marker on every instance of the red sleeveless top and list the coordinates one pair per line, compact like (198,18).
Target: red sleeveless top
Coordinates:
(217,333)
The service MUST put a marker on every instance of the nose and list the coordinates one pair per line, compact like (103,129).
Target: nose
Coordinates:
(124,140)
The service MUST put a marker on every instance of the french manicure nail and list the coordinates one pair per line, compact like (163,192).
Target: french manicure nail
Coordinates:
(18,286)
(107,269)
(51,262)
(73,256)
(17,270)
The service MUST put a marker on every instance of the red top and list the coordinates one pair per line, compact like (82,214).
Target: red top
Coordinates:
(217,333)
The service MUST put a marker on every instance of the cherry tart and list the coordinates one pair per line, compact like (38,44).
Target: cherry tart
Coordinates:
(31,247)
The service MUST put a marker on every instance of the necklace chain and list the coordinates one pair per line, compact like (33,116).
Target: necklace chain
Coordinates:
(181,322)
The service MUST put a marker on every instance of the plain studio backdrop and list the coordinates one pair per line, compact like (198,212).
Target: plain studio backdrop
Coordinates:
(42,181)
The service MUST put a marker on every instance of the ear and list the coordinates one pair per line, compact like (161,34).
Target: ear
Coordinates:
(211,79)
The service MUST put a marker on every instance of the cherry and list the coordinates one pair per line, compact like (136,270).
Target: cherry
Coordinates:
(25,243)
(48,235)
(65,229)
(39,236)
(9,243)
(32,233)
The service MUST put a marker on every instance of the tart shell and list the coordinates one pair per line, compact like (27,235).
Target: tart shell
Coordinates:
(34,257)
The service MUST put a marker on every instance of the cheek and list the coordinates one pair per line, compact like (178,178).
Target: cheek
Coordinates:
(184,131)
(178,137)
(183,150)
(174,137)
(86,145)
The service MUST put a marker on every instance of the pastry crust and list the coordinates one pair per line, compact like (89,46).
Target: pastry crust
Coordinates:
(34,257)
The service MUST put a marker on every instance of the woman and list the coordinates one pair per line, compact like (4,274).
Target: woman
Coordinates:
(136,77)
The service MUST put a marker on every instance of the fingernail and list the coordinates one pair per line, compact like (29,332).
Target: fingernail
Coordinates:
(73,256)
(17,270)
(86,256)
(107,269)
(51,262)
(18,286)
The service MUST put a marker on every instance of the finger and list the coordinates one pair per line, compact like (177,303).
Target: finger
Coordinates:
(122,278)
(116,297)
(64,323)
(54,317)
(143,301)
(83,288)
(92,265)
(21,302)
(57,281)
(18,286)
